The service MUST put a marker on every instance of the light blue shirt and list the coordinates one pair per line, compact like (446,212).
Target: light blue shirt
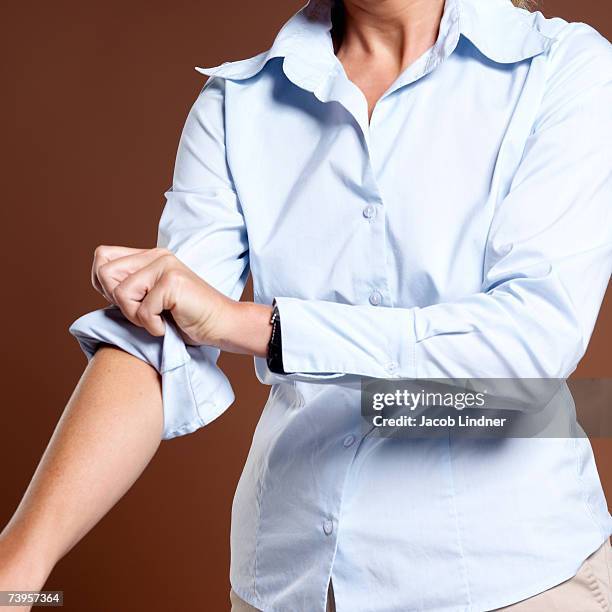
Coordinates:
(464,231)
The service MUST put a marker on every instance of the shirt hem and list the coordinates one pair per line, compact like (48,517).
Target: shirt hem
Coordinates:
(482,606)
(542,585)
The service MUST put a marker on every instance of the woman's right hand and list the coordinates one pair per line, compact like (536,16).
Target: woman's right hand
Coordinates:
(145,283)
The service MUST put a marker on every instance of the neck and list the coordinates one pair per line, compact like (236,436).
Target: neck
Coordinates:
(401,30)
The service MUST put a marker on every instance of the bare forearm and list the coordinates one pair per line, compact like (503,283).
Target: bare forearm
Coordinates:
(107,435)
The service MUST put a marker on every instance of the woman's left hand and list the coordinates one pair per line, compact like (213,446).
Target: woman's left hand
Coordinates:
(145,282)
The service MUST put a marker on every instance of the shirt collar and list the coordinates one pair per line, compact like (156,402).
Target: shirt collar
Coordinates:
(501,32)
(304,40)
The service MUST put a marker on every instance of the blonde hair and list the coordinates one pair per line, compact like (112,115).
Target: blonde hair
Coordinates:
(530,5)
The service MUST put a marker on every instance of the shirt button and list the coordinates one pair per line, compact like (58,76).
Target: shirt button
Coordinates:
(328,527)
(391,367)
(348,441)
(369,211)
(375,298)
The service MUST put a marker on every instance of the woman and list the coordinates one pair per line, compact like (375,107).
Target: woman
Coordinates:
(421,189)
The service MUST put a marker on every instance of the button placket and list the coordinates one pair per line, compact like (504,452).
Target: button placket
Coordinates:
(373,209)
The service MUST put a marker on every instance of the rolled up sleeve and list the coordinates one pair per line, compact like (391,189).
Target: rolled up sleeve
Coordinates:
(203,225)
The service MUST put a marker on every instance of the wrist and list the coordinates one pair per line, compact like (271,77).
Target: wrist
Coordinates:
(246,329)
(22,567)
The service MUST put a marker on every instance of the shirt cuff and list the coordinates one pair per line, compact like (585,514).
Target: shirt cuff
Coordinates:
(194,389)
(322,339)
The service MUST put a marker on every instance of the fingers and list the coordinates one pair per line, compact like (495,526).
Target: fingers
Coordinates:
(112,265)
(145,294)
(141,282)
(104,254)
(149,312)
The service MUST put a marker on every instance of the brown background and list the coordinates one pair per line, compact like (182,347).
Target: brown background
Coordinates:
(95,95)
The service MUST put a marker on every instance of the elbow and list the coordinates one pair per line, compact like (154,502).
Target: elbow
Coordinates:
(544,328)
